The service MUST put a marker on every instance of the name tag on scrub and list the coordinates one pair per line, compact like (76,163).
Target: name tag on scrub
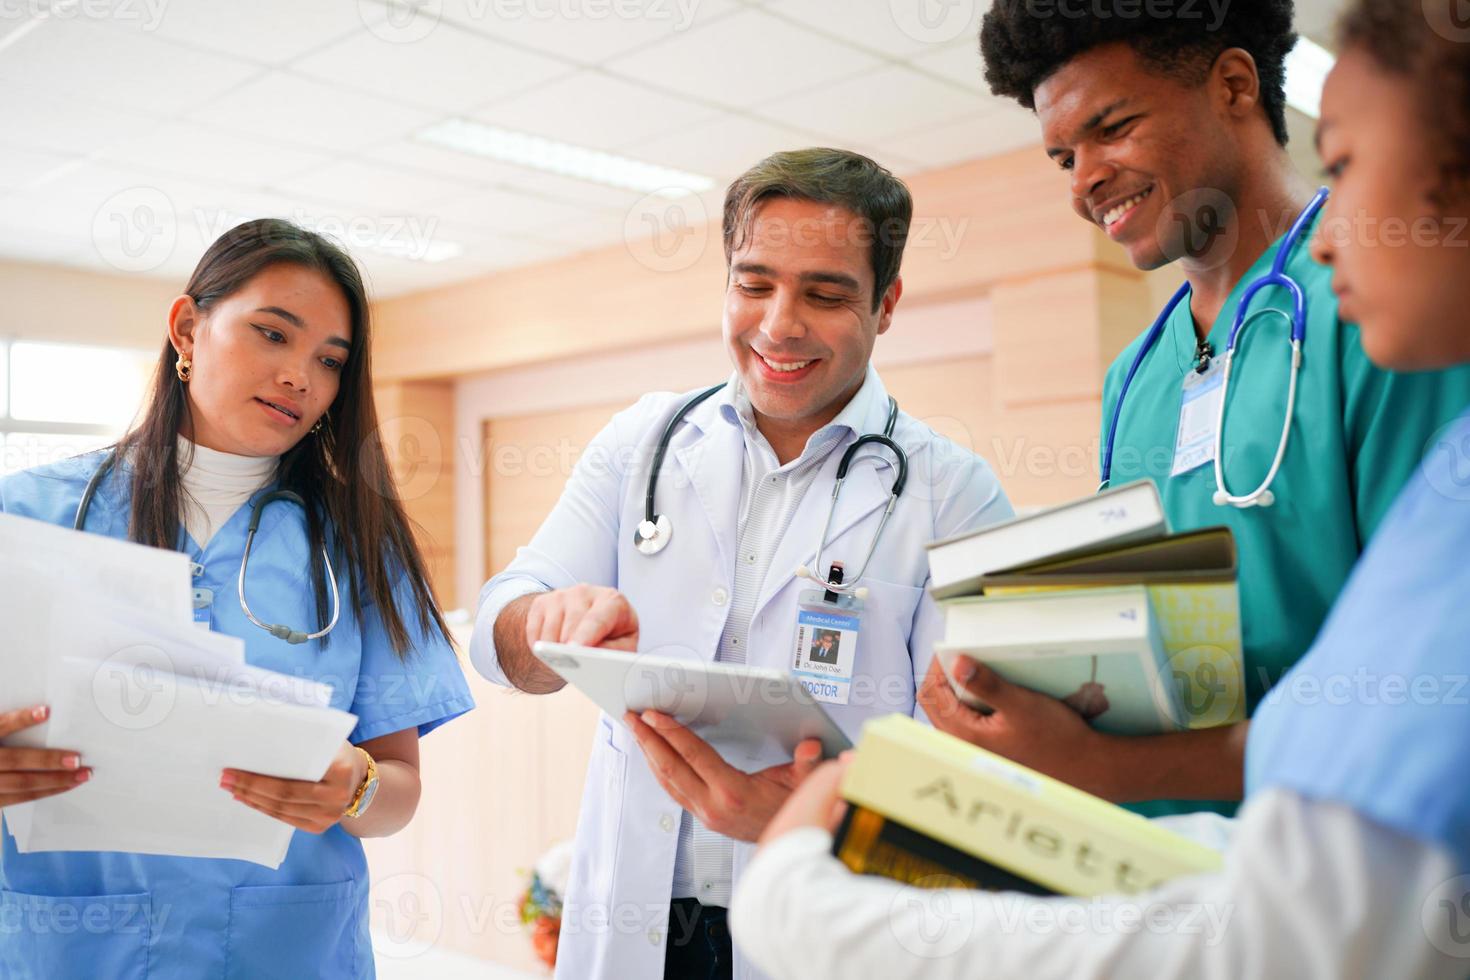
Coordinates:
(1199,414)
(826,645)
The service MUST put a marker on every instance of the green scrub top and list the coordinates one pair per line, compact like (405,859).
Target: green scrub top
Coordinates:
(1357,434)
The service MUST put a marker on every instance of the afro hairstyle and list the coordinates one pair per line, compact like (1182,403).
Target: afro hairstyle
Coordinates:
(1024,41)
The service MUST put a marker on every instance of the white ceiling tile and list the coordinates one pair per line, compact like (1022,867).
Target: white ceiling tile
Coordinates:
(193,150)
(19,167)
(133,72)
(894,28)
(594,109)
(744,59)
(269,32)
(306,112)
(505,211)
(382,188)
(449,69)
(36,116)
(425,158)
(873,105)
(960,63)
(585,31)
(723,147)
(570,190)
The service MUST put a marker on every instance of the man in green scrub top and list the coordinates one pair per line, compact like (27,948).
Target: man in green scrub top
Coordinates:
(1169,123)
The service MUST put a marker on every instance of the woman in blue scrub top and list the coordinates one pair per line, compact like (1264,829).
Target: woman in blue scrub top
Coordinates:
(266,369)
(1351,857)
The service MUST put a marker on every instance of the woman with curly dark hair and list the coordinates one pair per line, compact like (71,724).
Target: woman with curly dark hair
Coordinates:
(1351,856)
(1168,120)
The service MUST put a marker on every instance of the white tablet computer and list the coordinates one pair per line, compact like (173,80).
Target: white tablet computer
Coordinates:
(753,716)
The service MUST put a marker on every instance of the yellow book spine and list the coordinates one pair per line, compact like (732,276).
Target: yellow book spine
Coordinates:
(1013,817)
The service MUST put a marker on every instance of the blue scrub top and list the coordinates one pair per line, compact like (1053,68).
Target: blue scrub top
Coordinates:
(1377,715)
(127,916)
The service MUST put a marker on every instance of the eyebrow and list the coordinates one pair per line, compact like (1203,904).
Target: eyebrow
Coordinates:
(1093,122)
(296,321)
(834,278)
(1323,125)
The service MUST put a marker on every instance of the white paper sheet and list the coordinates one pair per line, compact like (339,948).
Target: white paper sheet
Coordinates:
(47,570)
(157,744)
(103,632)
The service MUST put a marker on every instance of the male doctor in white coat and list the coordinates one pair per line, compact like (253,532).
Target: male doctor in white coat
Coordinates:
(813,241)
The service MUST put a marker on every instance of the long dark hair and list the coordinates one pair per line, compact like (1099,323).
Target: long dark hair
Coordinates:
(341,471)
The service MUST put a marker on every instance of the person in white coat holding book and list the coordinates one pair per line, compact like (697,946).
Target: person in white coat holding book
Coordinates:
(1351,857)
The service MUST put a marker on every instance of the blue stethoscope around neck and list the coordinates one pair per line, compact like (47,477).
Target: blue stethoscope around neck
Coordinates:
(1261,496)
(277,630)
(654,532)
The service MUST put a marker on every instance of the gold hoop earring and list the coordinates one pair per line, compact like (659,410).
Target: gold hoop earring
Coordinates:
(184,368)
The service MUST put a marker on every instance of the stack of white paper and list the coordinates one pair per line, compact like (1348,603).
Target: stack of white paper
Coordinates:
(101,630)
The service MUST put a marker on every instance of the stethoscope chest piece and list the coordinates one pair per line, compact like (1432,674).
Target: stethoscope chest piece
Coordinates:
(651,537)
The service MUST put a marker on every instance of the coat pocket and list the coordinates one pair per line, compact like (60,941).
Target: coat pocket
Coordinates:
(46,937)
(290,931)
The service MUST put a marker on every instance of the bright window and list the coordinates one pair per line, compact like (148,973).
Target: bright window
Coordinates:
(60,400)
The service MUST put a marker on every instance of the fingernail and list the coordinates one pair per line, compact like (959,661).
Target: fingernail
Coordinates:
(964,669)
(71,761)
(84,775)
(40,712)
(226,781)
(647,717)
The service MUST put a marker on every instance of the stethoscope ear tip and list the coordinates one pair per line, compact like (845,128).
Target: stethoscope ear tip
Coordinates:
(1220,498)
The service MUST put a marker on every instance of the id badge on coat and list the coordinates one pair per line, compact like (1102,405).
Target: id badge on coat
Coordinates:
(1199,413)
(826,645)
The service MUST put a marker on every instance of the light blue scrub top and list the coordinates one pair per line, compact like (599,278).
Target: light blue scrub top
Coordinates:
(1357,434)
(1377,715)
(128,916)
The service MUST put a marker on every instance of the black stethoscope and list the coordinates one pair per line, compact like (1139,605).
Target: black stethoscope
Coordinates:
(655,530)
(277,630)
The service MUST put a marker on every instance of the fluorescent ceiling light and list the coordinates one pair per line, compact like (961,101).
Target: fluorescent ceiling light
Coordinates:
(563,159)
(1306,70)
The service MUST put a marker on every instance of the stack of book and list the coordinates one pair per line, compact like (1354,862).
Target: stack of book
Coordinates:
(931,810)
(1094,602)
